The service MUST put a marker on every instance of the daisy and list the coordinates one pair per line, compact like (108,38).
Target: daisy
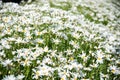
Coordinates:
(56,41)
(9,77)
(100,57)
(5,43)
(26,62)
(75,35)
(7,62)
(114,69)
(39,41)
(46,49)
(74,44)
(36,74)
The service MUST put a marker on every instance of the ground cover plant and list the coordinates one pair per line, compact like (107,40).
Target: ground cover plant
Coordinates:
(60,40)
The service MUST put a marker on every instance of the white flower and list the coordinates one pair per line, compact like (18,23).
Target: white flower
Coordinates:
(1,47)
(19,40)
(44,70)
(63,77)
(5,44)
(40,41)
(74,44)
(2,54)
(17,28)
(87,69)
(76,35)
(114,69)
(64,36)
(37,33)
(83,56)
(9,77)
(56,41)
(7,62)
(69,52)
(64,74)
(94,65)
(36,75)
(53,53)
(46,49)
(100,57)
(102,76)
(7,31)
(47,60)
(11,39)
(6,19)
(20,77)
(26,62)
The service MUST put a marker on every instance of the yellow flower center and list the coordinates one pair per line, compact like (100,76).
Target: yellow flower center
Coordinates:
(37,73)
(24,31)
(113,71)
(71,58)
(99,58)
(8,30)
(75,78)
(39,33)
(26,61)
(62,79)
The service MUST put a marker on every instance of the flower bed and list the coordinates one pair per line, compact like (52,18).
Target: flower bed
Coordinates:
(59,40)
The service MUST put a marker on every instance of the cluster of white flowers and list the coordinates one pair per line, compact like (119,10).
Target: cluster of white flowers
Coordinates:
(59,40)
